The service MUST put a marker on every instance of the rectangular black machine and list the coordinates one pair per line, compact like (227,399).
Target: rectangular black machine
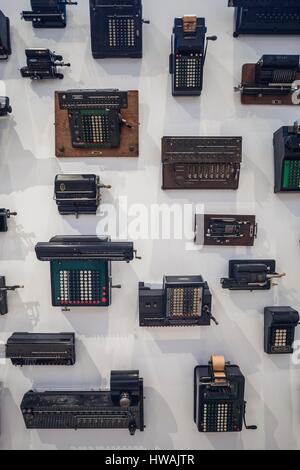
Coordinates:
(4,289)
(5,45)
(201,162)
(274,79)
(287,159)
(48,13)
(266,16)
(78,194)
(251,275)
(188,54)
(81,268)
(41,349)
(5,107)
(219,391)
(279,329)
(5,214)
(122,407)
(117,28)
(95,117)
(225,230)
(42,64)
(182,301)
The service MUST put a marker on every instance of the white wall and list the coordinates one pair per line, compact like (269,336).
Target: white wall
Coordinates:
(111,339)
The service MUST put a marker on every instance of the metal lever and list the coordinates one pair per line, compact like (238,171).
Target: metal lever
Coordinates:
(238,88)
(275,276)
(66,309)
(10,214)
(10,288)
(125,123)
(253,428)
(3,295)
(209,38)
(206,309)
(260,90)
(214,319)
(269,277)
(62,64)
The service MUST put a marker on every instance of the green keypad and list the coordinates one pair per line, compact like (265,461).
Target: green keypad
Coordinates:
(291,174)
(95,127)
(80,283)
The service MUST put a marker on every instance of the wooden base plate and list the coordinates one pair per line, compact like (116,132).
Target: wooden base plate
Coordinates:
(248,230)
(248,77)
(129,137)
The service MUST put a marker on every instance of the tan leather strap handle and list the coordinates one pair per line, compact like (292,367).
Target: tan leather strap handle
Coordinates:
(218,366)
(190,23)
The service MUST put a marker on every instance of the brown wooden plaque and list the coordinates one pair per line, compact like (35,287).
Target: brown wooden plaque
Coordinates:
(243,234)
(248,78)
(129,136)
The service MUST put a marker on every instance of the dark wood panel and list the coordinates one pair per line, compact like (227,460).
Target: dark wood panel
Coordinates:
(248,231)
(248,77)
(129,136)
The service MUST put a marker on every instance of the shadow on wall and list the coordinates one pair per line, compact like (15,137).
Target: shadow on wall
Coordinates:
(12,67)
(47,88)
(19,168)
(97,324)
(16,244)
(73,33)
(245,303)
(84,371)
(24,314)
(191,346)
(12,420)
(100,321)
(136,68)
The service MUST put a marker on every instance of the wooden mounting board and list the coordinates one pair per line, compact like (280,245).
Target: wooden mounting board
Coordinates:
(248,231)
(129,137)
(248,77)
